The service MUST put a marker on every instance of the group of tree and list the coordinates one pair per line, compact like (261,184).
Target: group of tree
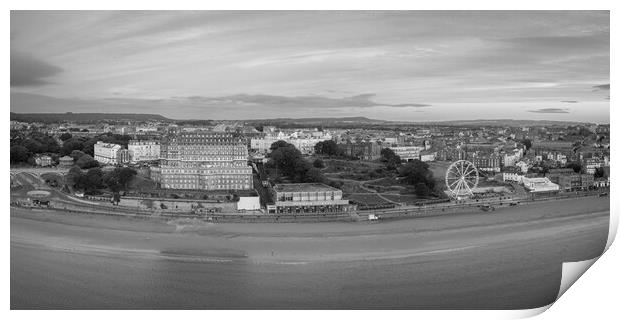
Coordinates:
(576,166)
(391,159)
(87,145)
(94,179)
(600,173)
(418,174)
(24,145)
(329,148)
(288,161)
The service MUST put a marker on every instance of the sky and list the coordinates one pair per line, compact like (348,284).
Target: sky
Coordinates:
(389,65)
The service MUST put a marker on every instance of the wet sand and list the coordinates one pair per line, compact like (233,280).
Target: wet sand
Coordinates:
(510,258)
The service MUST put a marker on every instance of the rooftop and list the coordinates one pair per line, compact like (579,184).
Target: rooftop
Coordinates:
(303,187)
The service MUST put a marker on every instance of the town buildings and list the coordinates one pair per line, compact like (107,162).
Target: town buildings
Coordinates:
(144,150)
(304,142)
(427,156)
(487,162)
(592,163)
(296,198)
(408,153)
(107,153)
(363,150)
(203,160)
(569,180)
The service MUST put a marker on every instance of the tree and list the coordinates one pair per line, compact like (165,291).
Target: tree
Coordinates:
(76,154)
(599,173)
(34,146)
(73,176)
(93,179)
(318,163)
(328,147)
(289,162)
(527,143)
(280,144)
(314,175)
(284,158)
(391,159)
(86,162)
(422,190)
(112,181)
(118,178)
(576,166)
(125,175)
(69,145)
(65,136)
(19,154)
(416,172)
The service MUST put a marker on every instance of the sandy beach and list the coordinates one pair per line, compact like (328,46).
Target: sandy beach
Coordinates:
(513,246)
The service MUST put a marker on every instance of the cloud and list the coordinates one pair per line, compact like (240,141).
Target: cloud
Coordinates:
(27,70)
(550,110)
(569,101)
(602,87)
(315,101)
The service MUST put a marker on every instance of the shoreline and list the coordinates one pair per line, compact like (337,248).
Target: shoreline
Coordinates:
(303,243)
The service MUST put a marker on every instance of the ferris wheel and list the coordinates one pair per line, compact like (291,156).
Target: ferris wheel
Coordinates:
(461,179)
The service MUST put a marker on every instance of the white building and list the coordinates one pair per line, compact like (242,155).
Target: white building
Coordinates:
(511,158)
(408,153)
(512,177)
(523,166)
(304,145)
(107,153)
(146,129)
(43,161)
(144,150)
(428,156)
(592,164)
(248,203)
(539,184)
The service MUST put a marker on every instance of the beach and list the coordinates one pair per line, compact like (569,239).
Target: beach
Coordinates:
(508,258)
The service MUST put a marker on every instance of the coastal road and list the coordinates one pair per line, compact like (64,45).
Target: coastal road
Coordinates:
(509,259)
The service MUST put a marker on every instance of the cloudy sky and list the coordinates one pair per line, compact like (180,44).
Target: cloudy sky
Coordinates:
(406,65)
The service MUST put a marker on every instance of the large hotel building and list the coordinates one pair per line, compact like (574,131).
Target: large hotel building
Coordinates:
(203,160)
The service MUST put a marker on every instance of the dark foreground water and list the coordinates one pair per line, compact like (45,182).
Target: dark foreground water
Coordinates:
(521,274)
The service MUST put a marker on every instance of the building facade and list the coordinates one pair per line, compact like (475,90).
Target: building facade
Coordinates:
(489,163)
(298,198)
(66,161)
(43,161)
(592,163)
(304,145)
(364,150)
(107,153)
(408,153)
(568,180)
(540,185)
(203,160)
(144,150)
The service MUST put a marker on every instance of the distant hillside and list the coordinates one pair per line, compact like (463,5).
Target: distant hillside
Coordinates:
(318,121)
(84,117)
(504,123)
